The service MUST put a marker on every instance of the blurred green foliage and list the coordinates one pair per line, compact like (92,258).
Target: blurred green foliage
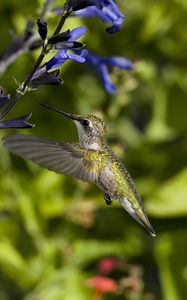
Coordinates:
(54,230)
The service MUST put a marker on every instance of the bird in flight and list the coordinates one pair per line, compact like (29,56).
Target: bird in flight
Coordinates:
(90,160)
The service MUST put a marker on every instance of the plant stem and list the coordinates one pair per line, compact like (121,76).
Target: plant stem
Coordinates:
(60,24)
(30,75)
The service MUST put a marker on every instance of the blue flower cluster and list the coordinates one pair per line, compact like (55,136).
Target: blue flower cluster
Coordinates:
(68,48)
(107,11)
(64,54)
(64,42)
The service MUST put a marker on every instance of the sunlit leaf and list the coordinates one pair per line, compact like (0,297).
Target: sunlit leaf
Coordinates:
(169,200)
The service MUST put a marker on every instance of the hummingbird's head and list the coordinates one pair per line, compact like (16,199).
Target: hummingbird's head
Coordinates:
(91,129)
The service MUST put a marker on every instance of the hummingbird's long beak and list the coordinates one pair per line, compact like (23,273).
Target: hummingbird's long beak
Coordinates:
(71,116)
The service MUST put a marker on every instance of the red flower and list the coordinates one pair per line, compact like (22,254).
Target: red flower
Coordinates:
(106,265)
(103,284)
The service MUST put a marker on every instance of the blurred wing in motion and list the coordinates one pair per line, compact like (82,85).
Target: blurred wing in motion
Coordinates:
(64,158)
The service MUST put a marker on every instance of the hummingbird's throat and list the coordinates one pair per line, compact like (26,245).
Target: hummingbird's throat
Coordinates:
(87,138)
(94,145)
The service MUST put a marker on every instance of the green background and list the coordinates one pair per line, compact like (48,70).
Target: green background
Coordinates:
(54,230)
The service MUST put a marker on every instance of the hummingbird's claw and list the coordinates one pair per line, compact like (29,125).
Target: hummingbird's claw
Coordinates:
(107,199)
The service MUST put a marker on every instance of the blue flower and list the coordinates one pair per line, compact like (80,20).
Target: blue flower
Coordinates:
(106,10)
(3,98)
(76,33)
(64,41)
(63,54)
(21,122)
(101,63)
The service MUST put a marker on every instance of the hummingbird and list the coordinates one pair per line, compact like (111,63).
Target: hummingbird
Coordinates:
(90,160)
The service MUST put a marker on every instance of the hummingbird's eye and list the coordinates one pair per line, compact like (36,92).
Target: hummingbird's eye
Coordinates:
(85,123)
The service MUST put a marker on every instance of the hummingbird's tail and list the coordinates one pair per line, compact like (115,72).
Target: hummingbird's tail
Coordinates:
(138,214)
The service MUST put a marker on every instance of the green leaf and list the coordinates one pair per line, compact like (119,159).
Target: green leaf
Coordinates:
(67,284)
(170,199)
(171,259)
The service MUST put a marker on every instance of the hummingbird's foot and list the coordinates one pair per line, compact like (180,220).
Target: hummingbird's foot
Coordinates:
(107,199)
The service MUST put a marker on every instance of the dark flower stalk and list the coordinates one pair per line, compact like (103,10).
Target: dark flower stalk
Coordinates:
(45,50)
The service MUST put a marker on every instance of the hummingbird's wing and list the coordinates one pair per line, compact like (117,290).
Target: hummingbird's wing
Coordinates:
(64,158)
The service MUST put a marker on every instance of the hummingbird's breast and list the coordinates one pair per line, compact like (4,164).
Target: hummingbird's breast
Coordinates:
(107,180)
(115,180)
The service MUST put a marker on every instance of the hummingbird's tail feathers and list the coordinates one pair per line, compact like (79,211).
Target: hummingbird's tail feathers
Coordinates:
(64,158)
(138,214)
